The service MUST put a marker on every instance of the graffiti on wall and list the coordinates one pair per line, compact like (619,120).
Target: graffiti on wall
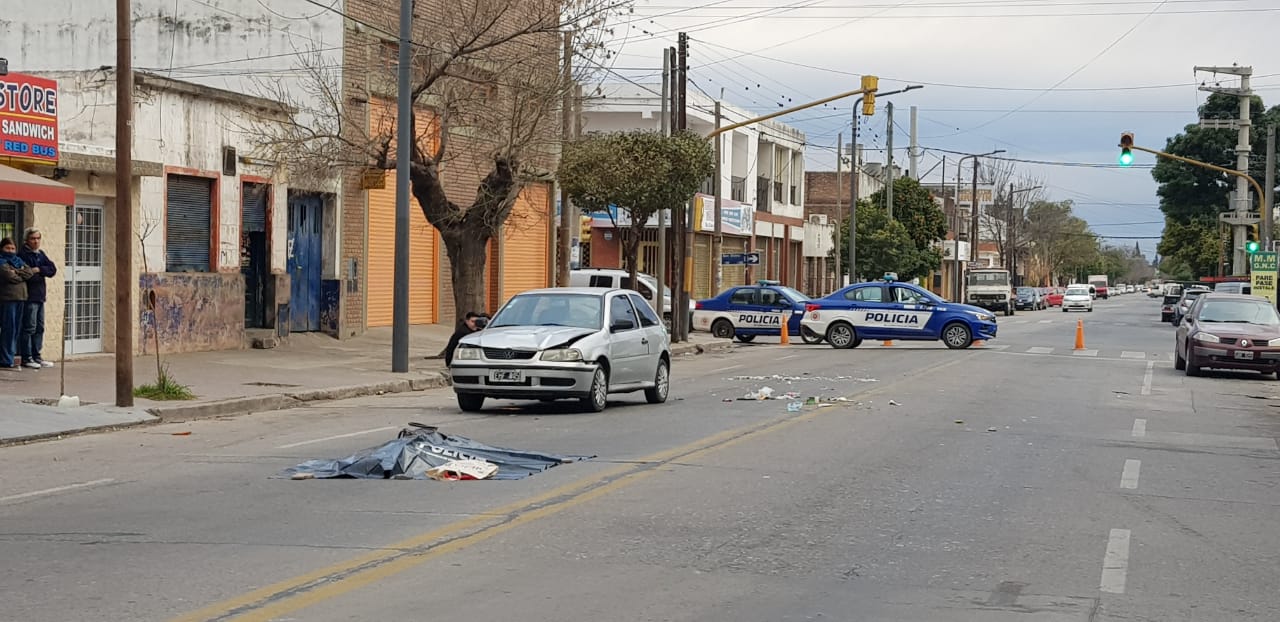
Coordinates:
(194,312)
(330,306)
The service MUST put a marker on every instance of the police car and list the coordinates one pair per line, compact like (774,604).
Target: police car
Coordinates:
(889,310)
(746,311)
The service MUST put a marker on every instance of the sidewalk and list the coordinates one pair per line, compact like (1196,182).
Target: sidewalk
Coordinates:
(308,367)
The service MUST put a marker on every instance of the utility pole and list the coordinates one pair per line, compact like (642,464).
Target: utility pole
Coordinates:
(1239,263)
(1269,191)
(717,242)
(835,255)
(973,216)
(855,172)
(565,242)
(915,155)
(125,313)
(404,138)
(665,122)
(680,292)
(888,170)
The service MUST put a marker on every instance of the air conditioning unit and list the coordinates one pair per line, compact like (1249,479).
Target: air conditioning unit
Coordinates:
(818,219)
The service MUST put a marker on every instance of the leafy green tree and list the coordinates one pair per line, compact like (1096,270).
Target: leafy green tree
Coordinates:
(1194,245)
(1060,240)
(885,246)
(640,172)
(915,209)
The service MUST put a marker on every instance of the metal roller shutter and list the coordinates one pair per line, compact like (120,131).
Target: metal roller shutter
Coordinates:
(524,243)
(380,273)
(253,208)
(188,208)
(702,272)
(733,275)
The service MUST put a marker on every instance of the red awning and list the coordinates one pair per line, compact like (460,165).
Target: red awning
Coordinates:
(21,186)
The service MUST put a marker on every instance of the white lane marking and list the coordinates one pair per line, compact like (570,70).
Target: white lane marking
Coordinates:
(1004,346)
(1019,322)
(1133,355)
(337,436)
(1039,350)
(1115,565)
(1146,379)
(1045,321)
(789,356)
(1084,353)
(55,490)
(740,366)
(1139,428)
(1129,477)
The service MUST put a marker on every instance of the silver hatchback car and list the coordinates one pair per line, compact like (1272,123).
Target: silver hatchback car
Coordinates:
(571,342)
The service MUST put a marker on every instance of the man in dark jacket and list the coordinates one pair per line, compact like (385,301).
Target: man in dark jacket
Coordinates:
(470,324)
(31,337)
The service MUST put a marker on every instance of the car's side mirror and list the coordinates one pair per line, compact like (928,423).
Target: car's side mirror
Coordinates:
(621,325)
(926,302)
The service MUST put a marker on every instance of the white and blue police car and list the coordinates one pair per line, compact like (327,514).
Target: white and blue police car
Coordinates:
(747,311)
(888,310)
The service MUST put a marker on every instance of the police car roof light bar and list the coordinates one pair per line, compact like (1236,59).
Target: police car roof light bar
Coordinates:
(890,277)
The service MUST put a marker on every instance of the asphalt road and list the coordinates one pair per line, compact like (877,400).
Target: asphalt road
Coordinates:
(1019,481)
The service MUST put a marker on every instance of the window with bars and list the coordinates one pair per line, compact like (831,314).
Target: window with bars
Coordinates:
(84,237)
(9,221)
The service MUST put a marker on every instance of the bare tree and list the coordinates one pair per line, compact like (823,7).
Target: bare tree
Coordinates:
(487,88)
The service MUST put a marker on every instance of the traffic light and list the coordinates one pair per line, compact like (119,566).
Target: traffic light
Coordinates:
(1251,244)
(1126,149)
(869,86)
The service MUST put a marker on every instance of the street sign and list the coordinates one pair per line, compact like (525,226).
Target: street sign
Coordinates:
(1262,267)
(753,259)
(732,259)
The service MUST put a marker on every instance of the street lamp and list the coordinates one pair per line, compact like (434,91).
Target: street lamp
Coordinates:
(853,180)
(955,218)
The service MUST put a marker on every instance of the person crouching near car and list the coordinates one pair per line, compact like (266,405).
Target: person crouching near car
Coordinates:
(471,323)
(31,337)
(14,275)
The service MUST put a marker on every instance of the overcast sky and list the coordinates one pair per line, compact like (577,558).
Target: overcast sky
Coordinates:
(1056,77)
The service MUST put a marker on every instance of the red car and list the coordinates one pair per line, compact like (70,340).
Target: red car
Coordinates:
(1228,331)
(1055,297)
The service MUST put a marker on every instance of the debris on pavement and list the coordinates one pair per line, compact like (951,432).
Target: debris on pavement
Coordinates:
(959,422)
(420,450)
(794,407)
(893,403)
(992,429)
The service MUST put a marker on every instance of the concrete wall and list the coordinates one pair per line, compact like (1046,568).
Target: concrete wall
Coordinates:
(193,312)
(237,45)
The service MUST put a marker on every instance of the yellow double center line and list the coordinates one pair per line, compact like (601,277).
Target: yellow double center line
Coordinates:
(326,583)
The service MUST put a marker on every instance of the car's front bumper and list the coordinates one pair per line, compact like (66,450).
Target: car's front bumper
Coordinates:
(1077,304)
(540,380)
(983,330)
(1025,304)
(1223,356)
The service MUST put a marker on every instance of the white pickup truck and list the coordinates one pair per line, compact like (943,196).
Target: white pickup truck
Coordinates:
(990,289)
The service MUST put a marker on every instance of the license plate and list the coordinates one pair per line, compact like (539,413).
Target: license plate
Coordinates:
(1244,355)
(506,375)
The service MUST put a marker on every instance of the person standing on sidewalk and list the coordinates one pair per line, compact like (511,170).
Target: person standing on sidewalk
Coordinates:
(13,295)
(31,339)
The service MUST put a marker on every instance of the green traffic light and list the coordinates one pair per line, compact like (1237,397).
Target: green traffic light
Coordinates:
(1126,157)
(1251,247)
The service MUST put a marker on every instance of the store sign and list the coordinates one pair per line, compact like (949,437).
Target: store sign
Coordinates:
(734,220)
(1262,267)
(28,119)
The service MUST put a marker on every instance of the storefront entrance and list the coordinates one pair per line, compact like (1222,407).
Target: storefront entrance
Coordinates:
(83,281)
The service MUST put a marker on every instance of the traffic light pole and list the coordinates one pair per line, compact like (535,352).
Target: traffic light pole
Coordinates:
(1253,182)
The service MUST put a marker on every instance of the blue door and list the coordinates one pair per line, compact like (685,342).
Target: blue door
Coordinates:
(304,262)
(911,314)
(870,305)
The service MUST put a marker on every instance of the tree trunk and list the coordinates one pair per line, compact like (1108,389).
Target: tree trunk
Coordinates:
(631,248)
(467,259)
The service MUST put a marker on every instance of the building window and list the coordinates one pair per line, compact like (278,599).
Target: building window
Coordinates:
(187,223)
(9,221)
(777,191)
(738,189)
(763,194)
(795,195)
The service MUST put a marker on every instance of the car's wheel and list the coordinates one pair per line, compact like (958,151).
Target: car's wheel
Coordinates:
(598,398)
(1090,309)
(841,336)
(661,384)
(808,336)
(745,338)
(1008,311)
(1190,367)
(470,403)
(722,329)
(957,336)
(1179,363)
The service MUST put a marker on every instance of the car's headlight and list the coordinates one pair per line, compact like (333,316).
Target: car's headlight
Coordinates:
(467,353)
(985,317)
(1207,338)
(562,355)
(1273,343)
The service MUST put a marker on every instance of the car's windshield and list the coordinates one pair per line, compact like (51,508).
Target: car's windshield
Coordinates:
(793,294)
(1239,312)
(1026,291)
(551,309)
(1077,291)
(1192,293)
(989,278)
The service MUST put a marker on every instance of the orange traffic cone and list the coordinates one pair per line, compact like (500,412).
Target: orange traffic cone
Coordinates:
(888,343)
(978,343)
(1079,334)
(786,337)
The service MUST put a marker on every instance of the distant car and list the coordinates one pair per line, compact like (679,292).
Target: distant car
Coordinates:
(1167,307)
(750,310)
(1229,331)
(573,342)
(895,311)
(1077,297)
(1054,298)
(1028,298)
(1184,302)
(1233,288)
(1130,289)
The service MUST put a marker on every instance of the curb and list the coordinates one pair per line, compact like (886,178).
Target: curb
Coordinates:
(52,436)
(281,401)
(682,349)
